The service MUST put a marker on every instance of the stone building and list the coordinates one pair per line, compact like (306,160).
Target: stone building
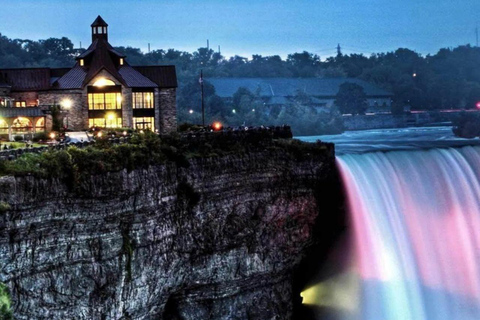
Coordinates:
(101,90)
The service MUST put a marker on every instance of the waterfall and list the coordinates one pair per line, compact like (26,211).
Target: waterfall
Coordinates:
(415,230)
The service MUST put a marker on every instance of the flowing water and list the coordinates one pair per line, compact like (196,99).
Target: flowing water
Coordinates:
(414,243)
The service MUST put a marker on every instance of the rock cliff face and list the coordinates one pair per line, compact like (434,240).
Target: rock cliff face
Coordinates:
(218,239)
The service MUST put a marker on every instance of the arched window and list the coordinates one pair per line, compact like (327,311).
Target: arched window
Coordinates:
(22,124)
(40,123)
(3,126)
(102,82)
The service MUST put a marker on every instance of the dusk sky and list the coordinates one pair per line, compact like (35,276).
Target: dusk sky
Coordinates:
(253,27)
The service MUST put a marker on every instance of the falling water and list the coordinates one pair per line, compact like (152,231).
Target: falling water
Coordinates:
(415,223)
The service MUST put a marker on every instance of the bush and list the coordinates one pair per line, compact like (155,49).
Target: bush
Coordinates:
(18,138)
(466,125)
(5,303)
(40,136)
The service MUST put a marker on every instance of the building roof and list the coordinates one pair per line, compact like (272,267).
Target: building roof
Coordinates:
(21,112)
(99,56)
(163,76)
(287,87)
(73,79)
(134,79)
(26,79)
(99,22)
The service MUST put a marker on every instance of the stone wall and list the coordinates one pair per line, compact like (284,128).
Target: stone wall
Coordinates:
(127,107)
(72,103)
(30,97)
(168,110)
(217,239)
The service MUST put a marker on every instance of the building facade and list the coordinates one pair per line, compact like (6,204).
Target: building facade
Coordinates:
(321,93)
(101,90)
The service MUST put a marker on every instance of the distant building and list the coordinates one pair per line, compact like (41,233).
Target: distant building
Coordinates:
(282,91)
(101,90)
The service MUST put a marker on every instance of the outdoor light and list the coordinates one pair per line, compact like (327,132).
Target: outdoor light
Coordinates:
(110,116)
(52,135)
(234,111)
(141,131)
(478,105)
(253,110)
(217,126)
(66,103)
(414,74)
(190,111)
(124,133)
(99,135)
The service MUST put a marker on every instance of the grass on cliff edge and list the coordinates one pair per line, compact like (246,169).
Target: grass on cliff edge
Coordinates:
(5,310)
(144,150)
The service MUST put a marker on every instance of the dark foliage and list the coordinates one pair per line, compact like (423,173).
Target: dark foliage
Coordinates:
(467,125)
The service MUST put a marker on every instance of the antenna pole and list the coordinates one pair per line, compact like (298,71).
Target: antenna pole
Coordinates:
(476,34)
(203,105)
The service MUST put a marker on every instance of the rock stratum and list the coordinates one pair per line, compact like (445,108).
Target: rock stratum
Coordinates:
(220,238)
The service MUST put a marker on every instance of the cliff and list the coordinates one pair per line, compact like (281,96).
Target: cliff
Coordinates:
(218,238)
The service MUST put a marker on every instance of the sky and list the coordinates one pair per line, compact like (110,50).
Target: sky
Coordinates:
(252,27)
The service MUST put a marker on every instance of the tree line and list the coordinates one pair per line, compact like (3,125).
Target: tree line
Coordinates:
(449,79)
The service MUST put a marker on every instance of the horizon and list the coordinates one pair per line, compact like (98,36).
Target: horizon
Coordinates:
(295,26)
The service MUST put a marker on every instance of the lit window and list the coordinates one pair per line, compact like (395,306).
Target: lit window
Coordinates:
(3,126)
(144,123)
(103,82)
(20,104)
(104,101)
(121,61)
(40,123)
(110,121)
(81,62)
(21,124)
(143,100)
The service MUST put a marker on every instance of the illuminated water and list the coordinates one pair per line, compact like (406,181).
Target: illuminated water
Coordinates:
(415,237)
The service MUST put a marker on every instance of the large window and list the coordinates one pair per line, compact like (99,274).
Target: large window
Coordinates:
(104,101)
(144,123)
(143,100)
(20,104)
(107,122)
(3,126)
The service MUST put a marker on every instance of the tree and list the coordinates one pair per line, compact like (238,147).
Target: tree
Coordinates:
(351,99)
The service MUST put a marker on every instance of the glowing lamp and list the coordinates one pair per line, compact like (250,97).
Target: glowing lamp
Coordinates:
(141,131)
(110,116)
(217,126)
(99,135)
(124,133)
(52,135)
(234,111)
(190,111)
(478,105)
(66,103)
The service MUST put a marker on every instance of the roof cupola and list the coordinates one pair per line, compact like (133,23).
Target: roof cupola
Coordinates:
(99,29)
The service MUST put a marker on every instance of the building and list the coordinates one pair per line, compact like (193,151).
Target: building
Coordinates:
(282,91)
(100,90)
